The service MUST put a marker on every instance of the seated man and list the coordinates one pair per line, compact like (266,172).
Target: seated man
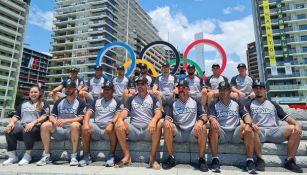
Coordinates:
(224,116)
(145,115)
(242,84)
(265,114)
(59,91)
(64,123)
(184,122)
(92,90)
(213,81)
(105,111)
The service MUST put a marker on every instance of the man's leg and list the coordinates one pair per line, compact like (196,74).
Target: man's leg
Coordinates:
(248,138)
(155,140)
(121,136)
(46,130)
(204,97)
(169,134)
(293,141)
(75,129)
(214,141)
(202,142)
(112,137)
(86,139)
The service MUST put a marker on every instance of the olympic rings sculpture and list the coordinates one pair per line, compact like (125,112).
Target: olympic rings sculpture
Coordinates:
(131,64)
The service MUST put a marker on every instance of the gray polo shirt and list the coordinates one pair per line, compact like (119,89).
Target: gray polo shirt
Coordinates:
(94,85)
(27,112)
(195,84)
(244,84)
(228,115)
(62,109)
(185,114)
(104,110)
(141,110)
(120,84)
(266,114)
(213,81)
(165,84)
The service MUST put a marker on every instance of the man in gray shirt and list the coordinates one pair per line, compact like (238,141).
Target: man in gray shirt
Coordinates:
(64,123)
(145,114)
(224,116)
(265,114)
(242,84)
(164,86)
(120,84)
(105,111)
(184,122)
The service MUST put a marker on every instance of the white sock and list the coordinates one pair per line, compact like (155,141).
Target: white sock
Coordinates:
(247,159)
(215,157)
(73,155)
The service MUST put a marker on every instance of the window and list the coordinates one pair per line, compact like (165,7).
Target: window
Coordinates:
(299,6)
(304,38)
(301,16)
(304,49)
(302,27)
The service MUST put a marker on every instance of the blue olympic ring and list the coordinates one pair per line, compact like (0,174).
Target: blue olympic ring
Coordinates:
(109,46)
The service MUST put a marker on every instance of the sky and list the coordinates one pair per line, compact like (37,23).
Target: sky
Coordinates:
(228,22)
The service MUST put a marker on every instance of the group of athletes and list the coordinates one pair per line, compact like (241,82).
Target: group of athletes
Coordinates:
(182,108)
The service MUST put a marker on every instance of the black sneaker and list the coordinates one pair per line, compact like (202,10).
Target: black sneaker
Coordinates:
(292,166)
(202,164)
(169,163)
(215,165)
(260,165)
(250,167)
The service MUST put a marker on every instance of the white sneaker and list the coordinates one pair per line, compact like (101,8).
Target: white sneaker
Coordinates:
(26,159)
(12,159)
(73,160)
(110,161)
(44,160)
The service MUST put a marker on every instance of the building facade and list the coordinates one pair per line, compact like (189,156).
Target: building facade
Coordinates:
(83,27)
(33,70)
(13,20)
(251,55)
(281,42)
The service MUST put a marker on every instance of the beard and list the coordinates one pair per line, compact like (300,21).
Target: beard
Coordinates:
(191,73)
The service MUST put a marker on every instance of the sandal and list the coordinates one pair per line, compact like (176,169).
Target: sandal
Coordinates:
(121,164)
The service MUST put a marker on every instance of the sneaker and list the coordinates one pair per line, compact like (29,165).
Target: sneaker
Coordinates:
(250,167)
(202,164)
(44,160)
(215,165)
(11,160)
(26,159)
(110,161)
(86,160)
(260,164)
(292,166)
(169,163)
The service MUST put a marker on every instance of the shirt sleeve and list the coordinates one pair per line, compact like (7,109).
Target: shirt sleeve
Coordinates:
(131,83)
(18,112)
(248,106)
(225,79)
(156,103)
(175,79)
(201,82)
(280,112)
(46,109)
(233,81)
(157,81)
(169,111)
(88,83)
(242,110)
(211,110)
(128,105)
(81,82)
(81,108)
(55,111)
(118,105)
(152,81)
(207,82)
(64,81)
(92,106)
(200,110)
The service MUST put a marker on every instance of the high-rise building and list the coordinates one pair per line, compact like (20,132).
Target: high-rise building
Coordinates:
(33,70)
(83,27)
(200,51)
(251,55)
(281,41)
(13,20)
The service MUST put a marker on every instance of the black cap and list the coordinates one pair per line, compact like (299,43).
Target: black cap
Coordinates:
(191,66)
(224,84)
(120,67)
(70,83)
(142,65)
(241,65)
(258,84)
(98,67)
(73,69)
(183,83)
(165,64)
(107,84)
(141,78)
(215,65)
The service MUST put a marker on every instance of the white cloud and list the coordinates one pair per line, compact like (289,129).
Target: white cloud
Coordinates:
(229,10)
(234,35)
(41,18)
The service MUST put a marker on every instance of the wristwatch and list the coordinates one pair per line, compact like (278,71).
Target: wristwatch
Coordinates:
(250,124)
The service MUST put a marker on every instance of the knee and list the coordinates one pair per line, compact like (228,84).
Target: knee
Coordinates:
(235,95)
(204,92)
(46,125)
(159,125)
(214,131)
(75,126)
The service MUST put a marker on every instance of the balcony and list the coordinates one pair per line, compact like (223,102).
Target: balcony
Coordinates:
(294,75)
(289,87)
(297,99)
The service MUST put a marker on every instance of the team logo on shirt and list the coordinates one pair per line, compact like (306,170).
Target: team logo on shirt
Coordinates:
(261,110)
(67,111)
(141,106)
(185,110)
(101,108)
(227,113)
(29,109)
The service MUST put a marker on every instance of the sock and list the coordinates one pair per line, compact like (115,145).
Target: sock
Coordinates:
(73,155)
(247,159)
(215,157)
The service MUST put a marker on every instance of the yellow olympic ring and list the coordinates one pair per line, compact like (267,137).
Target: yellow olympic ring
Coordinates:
(149,65)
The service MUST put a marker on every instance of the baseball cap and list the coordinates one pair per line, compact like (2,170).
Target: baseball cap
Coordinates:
(191,66)
(142,65)
(98,67)
(121,67)
(141,78)
(165,64)
(183,83)
(241,65)
(258,84)
(70,83)
(224,84)
(215,65)
(73,69)
(107,84)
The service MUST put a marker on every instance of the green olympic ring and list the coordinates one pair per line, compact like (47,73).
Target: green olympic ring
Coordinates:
(186,60)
